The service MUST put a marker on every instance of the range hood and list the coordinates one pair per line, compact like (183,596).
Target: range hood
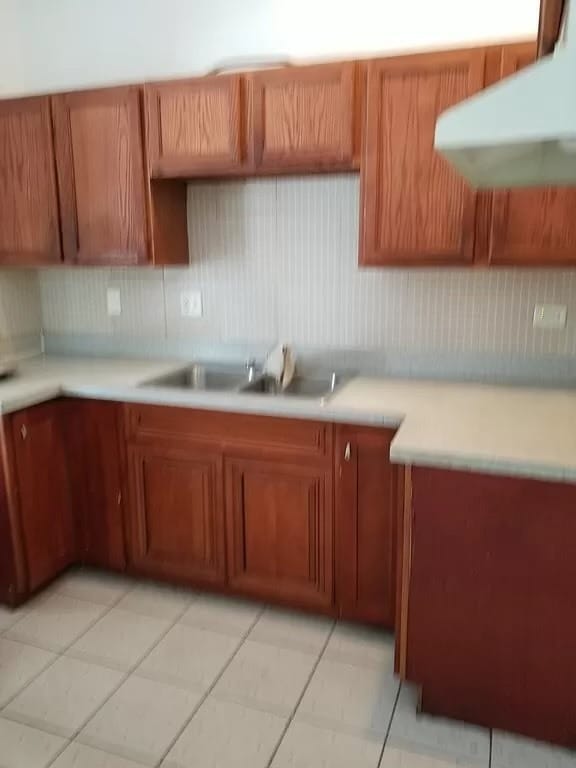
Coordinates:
(520,132)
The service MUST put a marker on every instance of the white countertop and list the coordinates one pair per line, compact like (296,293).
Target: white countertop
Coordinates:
(506,430)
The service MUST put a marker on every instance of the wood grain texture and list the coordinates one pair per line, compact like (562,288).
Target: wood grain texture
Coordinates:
(279,527)
(95,466)
(531,226)
(41,473)
(195,126)
(177,525)
(29,220)
(99,151)
(549,25)
(13,571)
(366,511)
(304,116)
(415,207)
(492,628)
(169,222)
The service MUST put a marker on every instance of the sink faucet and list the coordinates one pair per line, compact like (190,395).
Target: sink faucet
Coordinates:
(251,368)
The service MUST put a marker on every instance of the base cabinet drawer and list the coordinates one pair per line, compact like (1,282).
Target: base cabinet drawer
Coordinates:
(279,525)
(176,519)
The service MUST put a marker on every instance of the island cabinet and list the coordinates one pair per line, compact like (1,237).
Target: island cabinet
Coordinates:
(367,499)
(489,627)
(29,221)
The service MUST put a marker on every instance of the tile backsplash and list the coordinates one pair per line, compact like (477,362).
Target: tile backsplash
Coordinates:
(20,313)
(276,259)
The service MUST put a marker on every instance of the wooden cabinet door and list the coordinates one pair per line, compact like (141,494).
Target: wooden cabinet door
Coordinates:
(279,524)
(95,462)
(367,504)
(415,208)
(195,126)
(176,513)
(303,117)
(47,521)
(29,224)
(535,225)
(101,174)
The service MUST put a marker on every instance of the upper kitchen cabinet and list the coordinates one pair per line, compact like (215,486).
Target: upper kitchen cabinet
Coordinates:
(537,225)
(29,225)
(415,208)
(110,212)
(304,118)
(195,126)
(551,13)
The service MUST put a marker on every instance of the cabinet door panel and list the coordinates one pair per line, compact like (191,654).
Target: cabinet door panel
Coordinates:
(367,500)
(303,116)
(279,520)
(41,469)
(194,126)
(415,207)
(536,225)
(177,519)
(102,177)
(29,223)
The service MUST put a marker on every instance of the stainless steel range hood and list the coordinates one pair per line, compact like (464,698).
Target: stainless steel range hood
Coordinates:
(520,132)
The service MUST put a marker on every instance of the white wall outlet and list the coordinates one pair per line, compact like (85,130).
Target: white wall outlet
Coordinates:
(550,316)
(113,302)
(191,304)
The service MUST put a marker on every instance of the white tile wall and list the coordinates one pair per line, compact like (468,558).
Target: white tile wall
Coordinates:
(20,312)
(277,259)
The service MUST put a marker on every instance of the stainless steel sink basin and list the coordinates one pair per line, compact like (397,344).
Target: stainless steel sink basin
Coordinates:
(213,378)
(299,387)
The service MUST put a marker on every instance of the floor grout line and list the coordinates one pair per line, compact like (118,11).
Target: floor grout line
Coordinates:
(387,734)
(304,689)
(490,752)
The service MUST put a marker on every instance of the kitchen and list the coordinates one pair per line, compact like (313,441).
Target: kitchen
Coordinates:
(368,567)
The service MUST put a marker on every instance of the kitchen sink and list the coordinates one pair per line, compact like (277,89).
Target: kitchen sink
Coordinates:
(213,378)
(300,386)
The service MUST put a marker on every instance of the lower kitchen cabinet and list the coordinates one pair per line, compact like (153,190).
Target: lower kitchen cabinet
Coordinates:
(176,513)
(368,492)
(279,523)
(46,518)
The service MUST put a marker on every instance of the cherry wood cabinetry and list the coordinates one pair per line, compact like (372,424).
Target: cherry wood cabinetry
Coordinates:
(549,24)
(304,117)
(95,463)
(537,225)
(29,225)
(176,513)
(195,126)
(40,472)
(279,517)
(367,499)
(415,207)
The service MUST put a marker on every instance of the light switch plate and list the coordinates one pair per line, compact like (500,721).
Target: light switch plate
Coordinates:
(191,304)
(113,302)
(552,316)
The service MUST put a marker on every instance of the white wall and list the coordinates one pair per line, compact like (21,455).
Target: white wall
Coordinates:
(59,44)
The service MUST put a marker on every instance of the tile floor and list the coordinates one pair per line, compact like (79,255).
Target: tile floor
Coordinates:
(99,672)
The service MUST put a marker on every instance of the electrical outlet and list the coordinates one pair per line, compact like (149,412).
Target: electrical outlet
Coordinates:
(552,316)
(191,304)
(113,302)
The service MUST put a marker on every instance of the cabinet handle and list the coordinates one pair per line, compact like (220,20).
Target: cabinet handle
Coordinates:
(24,431)
(347,452)
(119,498)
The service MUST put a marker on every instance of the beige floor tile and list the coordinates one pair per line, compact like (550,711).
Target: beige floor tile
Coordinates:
(226,735)
(189,657)
(55,621)
(9,617)
(63,697)
(157,601)
(343,697)
(509,751)
(81,756)
(93,586)
(361,646)
(222,614)
(19,664)
(266,677)
(305,746)
(417,757)
(120,639)
(141,720)
(445,739)
(24,747)
(292,629)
